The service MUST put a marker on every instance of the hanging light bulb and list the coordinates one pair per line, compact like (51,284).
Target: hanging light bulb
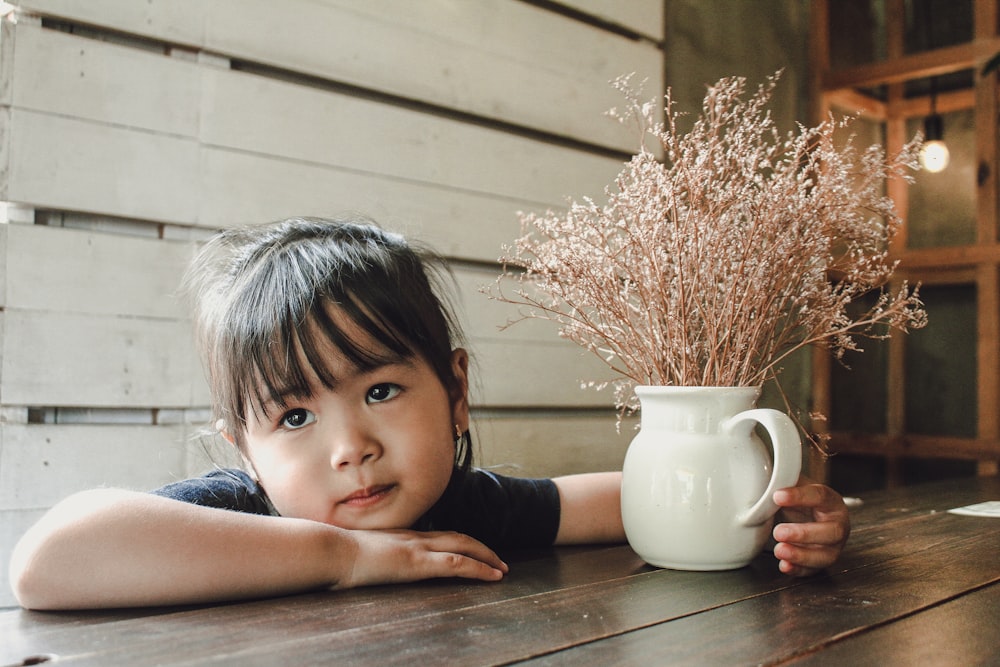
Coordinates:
(934,155)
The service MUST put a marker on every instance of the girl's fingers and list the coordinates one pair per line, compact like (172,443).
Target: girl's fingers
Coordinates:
(802,561)
(458,544)
(818,497)
(829,533)
(820,527)
(395,556)
(443,564)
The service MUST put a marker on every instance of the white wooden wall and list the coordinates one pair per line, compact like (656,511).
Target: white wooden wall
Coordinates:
(130,130)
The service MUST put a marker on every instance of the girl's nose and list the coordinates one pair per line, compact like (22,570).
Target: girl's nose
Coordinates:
(353,447)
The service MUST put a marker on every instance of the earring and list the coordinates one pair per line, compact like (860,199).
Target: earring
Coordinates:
(458,432)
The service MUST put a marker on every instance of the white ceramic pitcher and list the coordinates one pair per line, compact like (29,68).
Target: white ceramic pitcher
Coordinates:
(697,481)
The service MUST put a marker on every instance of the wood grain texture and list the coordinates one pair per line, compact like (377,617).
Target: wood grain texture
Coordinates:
(71,359)
(170,140)
(40,464)
(71,271)
(507,61)
(644,17)
(958,632)
(909,567)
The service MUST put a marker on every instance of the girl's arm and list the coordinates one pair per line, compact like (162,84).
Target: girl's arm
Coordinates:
(111,548)
(590,508)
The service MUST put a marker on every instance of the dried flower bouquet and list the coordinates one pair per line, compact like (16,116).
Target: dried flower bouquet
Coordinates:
(710,265)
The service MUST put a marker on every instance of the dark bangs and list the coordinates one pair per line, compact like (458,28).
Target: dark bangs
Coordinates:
(314,285)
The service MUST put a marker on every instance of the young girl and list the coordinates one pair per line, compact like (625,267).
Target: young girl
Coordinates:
(335,372)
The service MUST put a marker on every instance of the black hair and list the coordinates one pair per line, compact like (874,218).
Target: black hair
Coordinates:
(269,297)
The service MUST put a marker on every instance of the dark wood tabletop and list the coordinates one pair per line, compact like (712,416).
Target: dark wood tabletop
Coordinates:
(916,585)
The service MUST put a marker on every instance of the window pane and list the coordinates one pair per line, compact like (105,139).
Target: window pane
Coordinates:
(858,385)
(941,364)
(857,32)
(942,208)
(934,24)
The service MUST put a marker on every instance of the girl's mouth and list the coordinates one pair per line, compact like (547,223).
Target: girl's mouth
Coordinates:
(368,496)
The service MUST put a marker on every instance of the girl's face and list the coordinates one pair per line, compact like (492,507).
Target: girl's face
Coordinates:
(376,451)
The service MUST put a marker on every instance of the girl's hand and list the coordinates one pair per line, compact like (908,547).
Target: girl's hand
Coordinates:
(816,529)
(395,556)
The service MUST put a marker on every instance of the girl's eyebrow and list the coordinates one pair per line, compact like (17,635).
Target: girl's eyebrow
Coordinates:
(404,363)
(280,397)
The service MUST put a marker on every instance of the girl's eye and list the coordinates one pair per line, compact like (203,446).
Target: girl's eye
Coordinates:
(297,418)
(382,392)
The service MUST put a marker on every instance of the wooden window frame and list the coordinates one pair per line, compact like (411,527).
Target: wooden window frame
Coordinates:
(977,264)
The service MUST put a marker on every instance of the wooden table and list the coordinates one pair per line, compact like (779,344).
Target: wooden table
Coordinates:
(916,585)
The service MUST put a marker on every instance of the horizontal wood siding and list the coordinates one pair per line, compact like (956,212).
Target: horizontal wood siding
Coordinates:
(129,131)
(643,17)
(500,59)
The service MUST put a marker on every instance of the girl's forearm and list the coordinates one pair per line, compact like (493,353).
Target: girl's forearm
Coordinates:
(590,508)
(110,548)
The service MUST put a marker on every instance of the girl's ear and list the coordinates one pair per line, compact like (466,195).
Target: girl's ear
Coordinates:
(248,465)
(460,395)
(220,426)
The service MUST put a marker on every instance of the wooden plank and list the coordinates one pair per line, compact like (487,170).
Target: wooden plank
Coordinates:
(958,632)
(81,353)
(7,30)
(72,271)
(536,375)
(498,59)
(40,464)
(91,80)
(263,116)
(174,21)
(987,353)
(881,510)
(240,188)
(874,595)
(5,153)
(569,597)
(851,101)
(229,629)
(485,318)
(130,182)
(644,17)
(139,175)
(13,524)
(504,60)
(944,103)
(63,163)
(917,65)
(576,616)
(818,55)
(527,364)
(914,445)
(550,443)
(65,359)
(140,172)
(3,269)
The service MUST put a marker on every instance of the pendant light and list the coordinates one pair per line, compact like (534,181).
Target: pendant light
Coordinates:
(934,155)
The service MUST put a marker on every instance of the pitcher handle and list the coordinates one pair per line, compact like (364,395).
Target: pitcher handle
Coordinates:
(787,448)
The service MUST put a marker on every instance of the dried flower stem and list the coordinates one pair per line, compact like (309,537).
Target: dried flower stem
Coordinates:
(709,267)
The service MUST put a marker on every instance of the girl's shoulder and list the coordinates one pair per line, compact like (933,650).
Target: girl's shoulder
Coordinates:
(225,488)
